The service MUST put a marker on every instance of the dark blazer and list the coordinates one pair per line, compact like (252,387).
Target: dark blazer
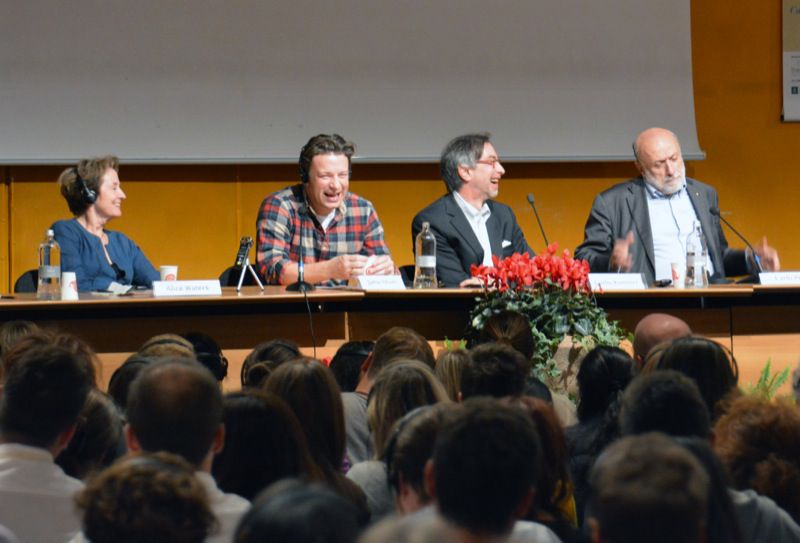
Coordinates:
(623,208)
(457,247)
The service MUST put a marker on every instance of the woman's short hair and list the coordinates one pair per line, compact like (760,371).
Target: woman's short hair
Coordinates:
(146,497)
(90,171)
(399,388)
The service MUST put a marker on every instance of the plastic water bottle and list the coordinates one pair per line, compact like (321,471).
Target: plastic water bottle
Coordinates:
(425,262)
(49,287)
(696,258)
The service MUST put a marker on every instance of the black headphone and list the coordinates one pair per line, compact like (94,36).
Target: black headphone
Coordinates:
(88,195)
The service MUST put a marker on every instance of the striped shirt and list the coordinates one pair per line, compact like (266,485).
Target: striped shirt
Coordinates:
(355,229)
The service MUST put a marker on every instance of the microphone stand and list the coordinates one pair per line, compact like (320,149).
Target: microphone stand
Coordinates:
(541,228)
(757,259)
(300,285)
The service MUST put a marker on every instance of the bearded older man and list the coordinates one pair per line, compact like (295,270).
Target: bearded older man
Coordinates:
(641,225)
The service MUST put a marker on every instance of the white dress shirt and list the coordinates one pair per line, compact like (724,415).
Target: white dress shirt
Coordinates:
(477,221)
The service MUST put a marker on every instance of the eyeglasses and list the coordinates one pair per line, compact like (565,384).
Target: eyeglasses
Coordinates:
(493,162)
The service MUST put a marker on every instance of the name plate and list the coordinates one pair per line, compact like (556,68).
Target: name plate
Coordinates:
(206,287)
(780,278)
(380,282)
(616,281)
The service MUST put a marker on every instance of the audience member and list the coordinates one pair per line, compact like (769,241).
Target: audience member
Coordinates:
(346,363)
(648,488)
(98,439)
(301,513)
(653,329)
(401,387)
(13,331)
(509,327)
(311,392)
(431,529)
(264,443)
(710,365)
(396,343)
(494,369)
(175,405)
(120,383)
(759,443)
(485,466)
(146,497)
(43,394)
(208,353)
(82,352)
(449,365)
(266,357)
(167,346)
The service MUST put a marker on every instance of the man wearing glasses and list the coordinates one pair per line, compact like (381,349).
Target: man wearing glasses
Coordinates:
(469,227)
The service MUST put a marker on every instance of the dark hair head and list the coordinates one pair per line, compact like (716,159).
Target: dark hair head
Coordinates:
(664,401)
(449,366)
(120,383)
(494,369)
(98,439)
(263,444)
(604,373)
(273,353)
(708,363)
(175,405)
(509,327)
(346,363)
(208,353)
(300,513)
(401,387)
(90,171)
(323,144)
(461,151)
(400,342)
(473,442)
(44,391)
(648,488)
(535,388)
(759,443)
(13,331)
(311,392)
(146,497)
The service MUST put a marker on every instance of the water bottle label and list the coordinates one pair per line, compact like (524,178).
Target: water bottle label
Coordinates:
(426,261)
(49,272)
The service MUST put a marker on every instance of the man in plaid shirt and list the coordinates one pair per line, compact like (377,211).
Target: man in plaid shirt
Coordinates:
(340,232)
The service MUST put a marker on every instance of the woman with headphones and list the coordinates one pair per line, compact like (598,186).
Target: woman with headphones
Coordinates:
(99,257)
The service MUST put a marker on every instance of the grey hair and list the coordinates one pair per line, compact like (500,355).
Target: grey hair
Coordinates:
(461,151)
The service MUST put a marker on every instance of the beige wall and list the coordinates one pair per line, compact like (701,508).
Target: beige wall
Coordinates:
(194,215)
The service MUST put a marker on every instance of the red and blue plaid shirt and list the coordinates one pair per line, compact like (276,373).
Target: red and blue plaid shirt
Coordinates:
(355,229)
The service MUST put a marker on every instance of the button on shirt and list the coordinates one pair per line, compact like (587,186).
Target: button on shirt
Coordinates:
(477,221)
(671,220)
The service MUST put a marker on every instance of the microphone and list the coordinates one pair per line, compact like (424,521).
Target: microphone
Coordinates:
(300,285)
(541,228)
(715,211)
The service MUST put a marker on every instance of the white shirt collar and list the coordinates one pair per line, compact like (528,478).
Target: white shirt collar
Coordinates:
(469,210)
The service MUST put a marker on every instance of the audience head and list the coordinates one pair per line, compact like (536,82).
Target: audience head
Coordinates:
(346,363)
(408,450)
(710,365)
(759,442)
(146,497)
(396,343)
(648,488)
(267,356)
(664,401)
(311,392)
(463,151)
(175,405)
(123,377)
(401,387)
(323,144)
(44,391)
(167,346)
(42,338)
(494,369)
(264,443)
(78,182)
(301,513)
(604,374)
(511,328)
(13,331)
(655,328)
(449,366)
(426,529)
(535,388)
(208,353)
(498,447)
(98,439)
